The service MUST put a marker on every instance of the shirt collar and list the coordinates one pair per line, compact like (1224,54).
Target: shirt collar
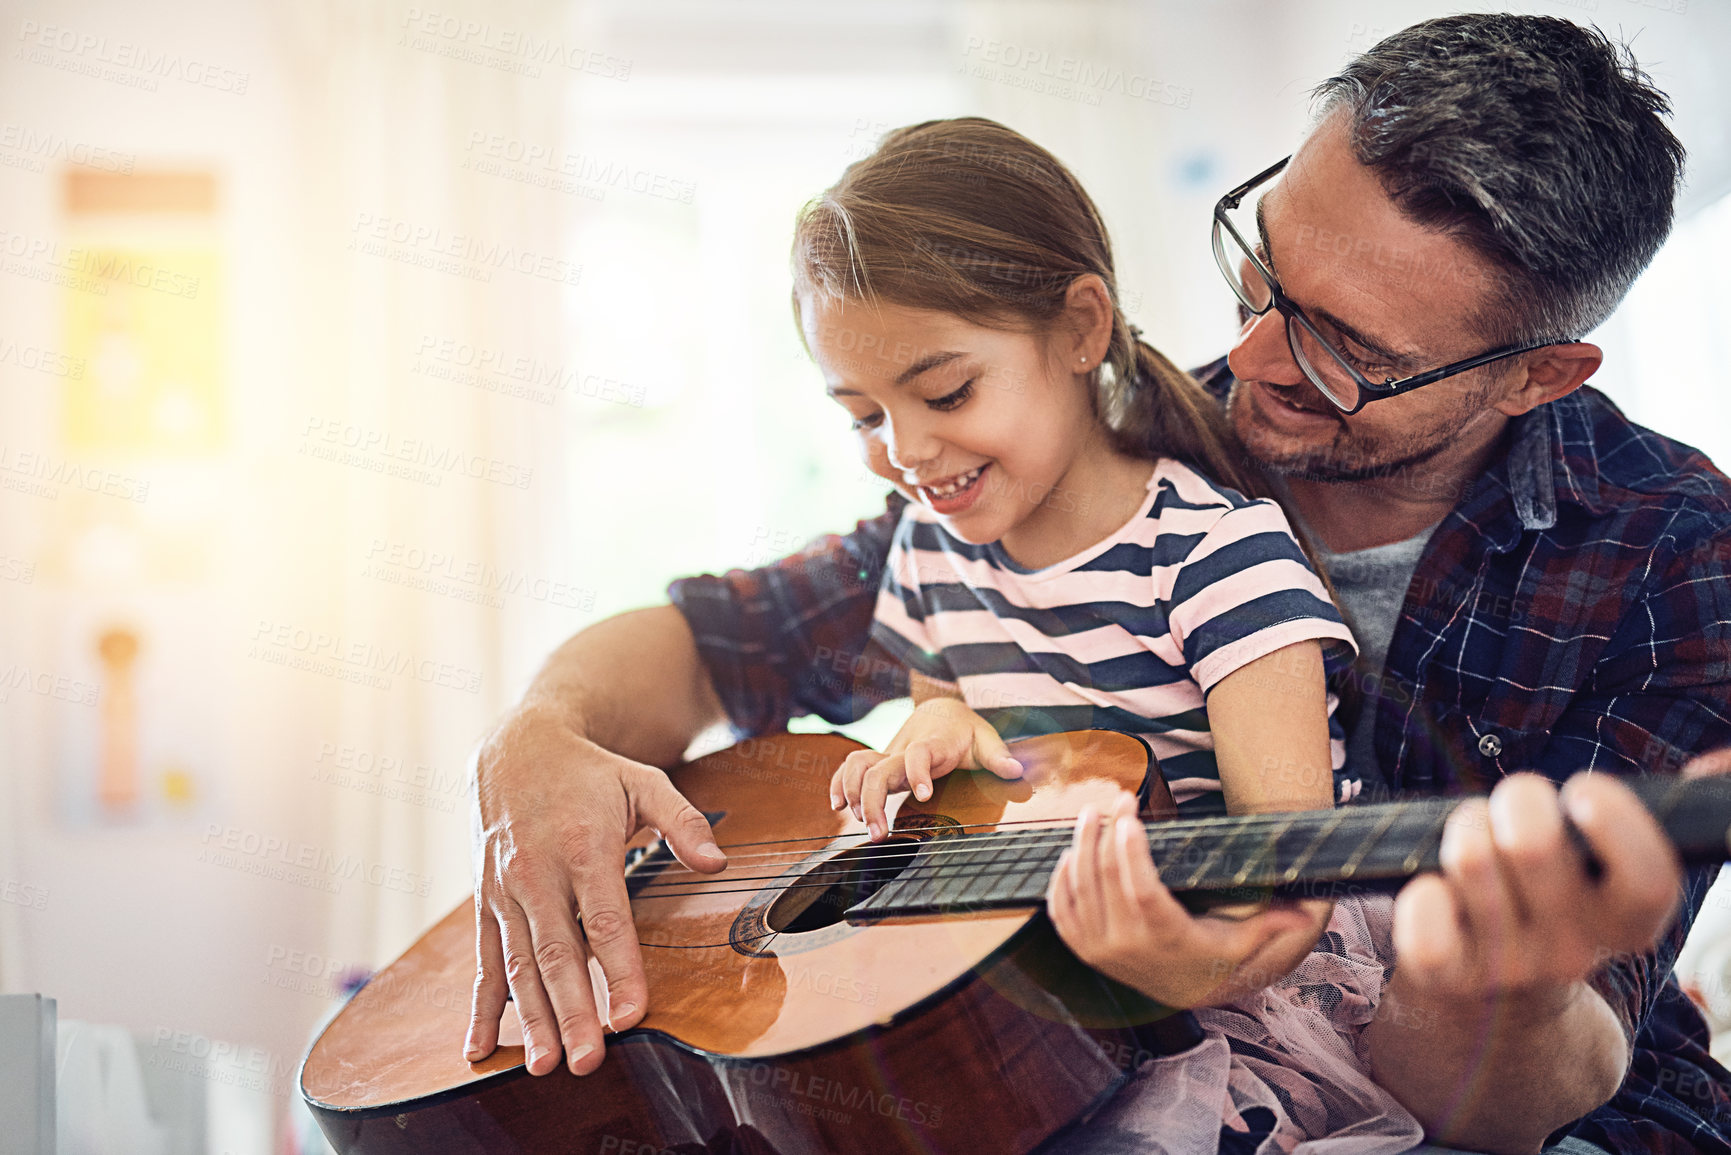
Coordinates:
(1554,456)
(1533,464)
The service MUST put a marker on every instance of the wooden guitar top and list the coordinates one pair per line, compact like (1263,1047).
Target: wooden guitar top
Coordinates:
(722,978)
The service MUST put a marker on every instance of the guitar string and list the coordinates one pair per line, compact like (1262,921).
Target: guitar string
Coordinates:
(1380,819)
(1161,837)
(1173,828)
(1214,820)
(843,875)
(1179,830)
(1270,875)
(1672,798)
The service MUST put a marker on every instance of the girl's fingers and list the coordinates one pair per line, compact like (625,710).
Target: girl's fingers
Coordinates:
(1120,904)
(1061,897)
(875,790)
(853,771)
(917,767)
(1085,867)
(990,753)
(837,791)
(1138,881)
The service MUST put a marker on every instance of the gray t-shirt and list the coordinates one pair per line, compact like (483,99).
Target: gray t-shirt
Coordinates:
(1372,585)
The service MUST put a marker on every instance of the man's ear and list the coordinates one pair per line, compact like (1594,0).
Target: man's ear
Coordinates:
(1551,372)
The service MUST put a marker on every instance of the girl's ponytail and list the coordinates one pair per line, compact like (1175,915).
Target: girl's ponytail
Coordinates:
(1149,404)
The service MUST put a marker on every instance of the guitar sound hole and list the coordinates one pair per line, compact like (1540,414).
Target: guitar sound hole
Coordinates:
(851,876)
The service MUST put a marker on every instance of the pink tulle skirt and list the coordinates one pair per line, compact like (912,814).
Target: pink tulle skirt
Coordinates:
(1282,1071)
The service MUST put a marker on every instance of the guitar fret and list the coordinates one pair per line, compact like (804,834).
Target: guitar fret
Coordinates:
(1024,874)
(1267,851)
(1007,868)
(1212,858)
(975,869)
(1433,837)
(1328,828)
(1024,869)
(1350,867)
(1175,853)
(1385,840)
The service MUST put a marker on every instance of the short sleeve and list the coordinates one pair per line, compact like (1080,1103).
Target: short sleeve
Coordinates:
(899,626)
(1245,590)
(792,638)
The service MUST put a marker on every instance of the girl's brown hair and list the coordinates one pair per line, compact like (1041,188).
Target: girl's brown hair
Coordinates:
(967,217)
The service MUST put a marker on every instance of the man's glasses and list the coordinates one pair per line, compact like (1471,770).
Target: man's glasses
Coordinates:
(1335,374)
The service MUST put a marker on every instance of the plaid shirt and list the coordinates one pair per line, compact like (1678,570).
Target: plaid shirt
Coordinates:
(1573,612)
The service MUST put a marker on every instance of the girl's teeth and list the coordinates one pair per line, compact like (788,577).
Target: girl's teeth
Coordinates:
(957,485)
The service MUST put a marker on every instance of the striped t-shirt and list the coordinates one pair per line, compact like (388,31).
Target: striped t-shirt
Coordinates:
(1129,635)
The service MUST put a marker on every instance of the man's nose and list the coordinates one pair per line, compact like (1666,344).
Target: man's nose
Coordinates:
(1263,354)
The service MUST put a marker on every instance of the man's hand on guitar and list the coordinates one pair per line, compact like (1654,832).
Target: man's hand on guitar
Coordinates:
(1494,953)
(1515,911)
(553,813)
(942,735)
(1108,904)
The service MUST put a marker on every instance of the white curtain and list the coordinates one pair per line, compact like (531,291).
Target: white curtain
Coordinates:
(398,112)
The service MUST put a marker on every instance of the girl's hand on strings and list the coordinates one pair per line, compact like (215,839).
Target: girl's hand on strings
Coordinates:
(1110,907)
(942,735)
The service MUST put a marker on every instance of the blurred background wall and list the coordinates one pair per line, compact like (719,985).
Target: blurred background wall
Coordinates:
(353,354)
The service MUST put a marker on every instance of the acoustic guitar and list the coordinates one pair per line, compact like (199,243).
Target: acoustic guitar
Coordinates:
(826,994)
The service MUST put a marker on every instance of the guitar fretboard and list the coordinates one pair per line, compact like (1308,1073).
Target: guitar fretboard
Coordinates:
(1320,853)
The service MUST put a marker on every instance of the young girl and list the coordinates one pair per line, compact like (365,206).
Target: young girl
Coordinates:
(1078,551)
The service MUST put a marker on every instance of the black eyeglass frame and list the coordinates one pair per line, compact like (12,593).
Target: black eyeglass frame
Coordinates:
(1368,390)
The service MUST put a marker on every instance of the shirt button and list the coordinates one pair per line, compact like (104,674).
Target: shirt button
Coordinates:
(1490,745)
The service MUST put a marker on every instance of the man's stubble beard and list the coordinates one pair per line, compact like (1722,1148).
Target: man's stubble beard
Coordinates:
(1344,462)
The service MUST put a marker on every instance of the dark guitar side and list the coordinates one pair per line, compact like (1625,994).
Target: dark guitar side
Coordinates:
(953,1034)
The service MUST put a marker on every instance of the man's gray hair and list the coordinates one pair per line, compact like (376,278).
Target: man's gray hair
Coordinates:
(1536,142)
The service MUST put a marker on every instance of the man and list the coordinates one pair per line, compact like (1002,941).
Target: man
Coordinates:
(1536,584)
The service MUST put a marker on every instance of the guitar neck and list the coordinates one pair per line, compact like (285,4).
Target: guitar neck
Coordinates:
(1311,853)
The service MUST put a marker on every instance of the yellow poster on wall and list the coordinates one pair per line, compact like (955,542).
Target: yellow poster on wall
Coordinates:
(146,322)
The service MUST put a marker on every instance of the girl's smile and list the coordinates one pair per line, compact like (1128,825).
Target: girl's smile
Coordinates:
(992,429)
(954,494)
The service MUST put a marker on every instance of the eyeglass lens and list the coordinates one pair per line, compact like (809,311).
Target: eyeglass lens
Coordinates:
(1320,363)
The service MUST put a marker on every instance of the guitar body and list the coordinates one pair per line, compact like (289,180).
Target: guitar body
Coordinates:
(775,1025)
